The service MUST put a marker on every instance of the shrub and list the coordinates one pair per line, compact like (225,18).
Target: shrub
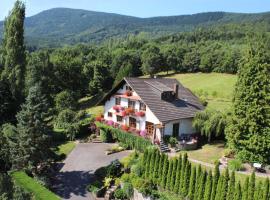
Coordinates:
(128,189)
(120,194)
(235,165)
(173,141)
(229,153)
(65,117)
(94,187)
(65,100)
(105,136)
(132,141)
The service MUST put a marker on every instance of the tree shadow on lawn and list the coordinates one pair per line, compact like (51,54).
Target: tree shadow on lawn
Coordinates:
(73,182)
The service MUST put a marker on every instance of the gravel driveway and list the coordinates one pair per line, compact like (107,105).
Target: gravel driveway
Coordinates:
(79,167)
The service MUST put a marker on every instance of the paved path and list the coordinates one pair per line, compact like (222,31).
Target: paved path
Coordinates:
(79,167)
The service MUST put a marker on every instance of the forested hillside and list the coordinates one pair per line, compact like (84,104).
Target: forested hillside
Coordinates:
(59,26)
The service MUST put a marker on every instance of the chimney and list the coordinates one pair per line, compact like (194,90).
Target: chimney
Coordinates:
(175,89)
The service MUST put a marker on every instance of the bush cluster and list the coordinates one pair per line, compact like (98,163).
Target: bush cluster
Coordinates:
(130,140)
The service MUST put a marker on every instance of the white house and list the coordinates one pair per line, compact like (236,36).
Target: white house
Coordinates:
(154,106)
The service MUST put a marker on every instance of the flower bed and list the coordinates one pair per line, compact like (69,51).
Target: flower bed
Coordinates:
(132,141)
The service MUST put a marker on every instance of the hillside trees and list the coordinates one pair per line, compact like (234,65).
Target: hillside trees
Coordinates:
(248,131)
(14,51)
(33,139)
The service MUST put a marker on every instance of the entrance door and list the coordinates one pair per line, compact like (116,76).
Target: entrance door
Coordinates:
(132,122)
(175,130)
(149,127)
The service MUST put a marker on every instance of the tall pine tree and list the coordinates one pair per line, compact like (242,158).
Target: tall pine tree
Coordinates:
(238,192)
(178,174)
(208,186)
(215,181)
(248,132)
(231,187)
(33,146)
(14,51)
(192,183)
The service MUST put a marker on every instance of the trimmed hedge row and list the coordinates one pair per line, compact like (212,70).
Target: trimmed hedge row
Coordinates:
(32,186)
(132,141)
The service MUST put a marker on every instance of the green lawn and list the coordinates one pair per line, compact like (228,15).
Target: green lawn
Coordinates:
(65,148)
(216,87)
(32,186)
(208,153)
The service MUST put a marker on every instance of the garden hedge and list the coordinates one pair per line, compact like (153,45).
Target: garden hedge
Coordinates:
(132,141)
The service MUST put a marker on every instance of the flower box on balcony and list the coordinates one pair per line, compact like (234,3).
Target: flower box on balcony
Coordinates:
(123,113)
(118,108)
(140,114)
(129,111)
(125,127)
(128,93)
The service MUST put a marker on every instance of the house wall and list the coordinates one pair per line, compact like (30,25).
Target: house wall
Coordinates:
(141,121)
(185,127)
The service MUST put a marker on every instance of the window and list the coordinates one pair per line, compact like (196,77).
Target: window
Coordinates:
(142,106)
(132,122)
(117,100)
(128,88)
(109,114)
(119,118)
(131,104)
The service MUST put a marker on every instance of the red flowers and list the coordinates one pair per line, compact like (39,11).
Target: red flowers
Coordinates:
(129,111)
(125,127)
(128,93)
(140,114)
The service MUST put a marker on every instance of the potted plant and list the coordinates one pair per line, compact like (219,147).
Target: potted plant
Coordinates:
(172,142)
(129,111)
(128,93)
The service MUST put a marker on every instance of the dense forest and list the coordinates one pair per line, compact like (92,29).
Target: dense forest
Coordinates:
(60,26)
(40,88)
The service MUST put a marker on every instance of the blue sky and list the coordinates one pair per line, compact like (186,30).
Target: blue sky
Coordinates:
(142,8)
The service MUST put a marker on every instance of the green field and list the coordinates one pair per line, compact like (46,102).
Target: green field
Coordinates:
(217,88)
(31,185)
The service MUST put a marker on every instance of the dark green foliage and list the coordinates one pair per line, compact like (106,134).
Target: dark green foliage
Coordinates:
(182,176)
(231,189)
(133,142)
(65,100)
(160,167)
(210,123)
(215,181)
(120,194)
(251,187)
(249,129)
(178,174)
(151,165)
(14,51)
(105,136)
(7,110)
(151,60)
(128,189)
(208,186)
(238,192)
(33,147)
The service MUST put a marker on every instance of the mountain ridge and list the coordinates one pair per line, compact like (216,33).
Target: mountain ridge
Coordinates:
(58,26)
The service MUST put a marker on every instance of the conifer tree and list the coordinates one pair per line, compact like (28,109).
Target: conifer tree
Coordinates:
(186,179)
(14,51)
(248,131)
(231,186)
(172,181)
(160,167)
(145,157)
(219,188)
(225,182)
(208,186)
(215,181)
(183,167)
(178,174)
(200,192)
(155,170)
(245,189)
(147,163)
(251,187)
(192,183)
(258,195)
(33,132)
(238,192)
(151,164)
(266,194)
(164,172)
(198,175)
(168,179)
